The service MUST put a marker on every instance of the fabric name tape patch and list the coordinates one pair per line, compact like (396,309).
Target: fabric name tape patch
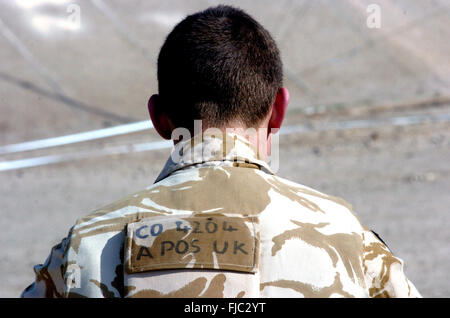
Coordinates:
(208,242)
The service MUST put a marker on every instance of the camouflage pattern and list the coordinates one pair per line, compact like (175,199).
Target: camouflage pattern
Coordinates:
(218,223)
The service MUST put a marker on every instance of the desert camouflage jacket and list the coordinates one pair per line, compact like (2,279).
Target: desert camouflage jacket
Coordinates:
(218,223)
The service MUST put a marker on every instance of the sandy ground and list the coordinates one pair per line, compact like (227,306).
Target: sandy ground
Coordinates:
(397,179)
(56,82)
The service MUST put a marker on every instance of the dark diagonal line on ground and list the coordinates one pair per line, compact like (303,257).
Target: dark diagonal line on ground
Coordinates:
(26,85)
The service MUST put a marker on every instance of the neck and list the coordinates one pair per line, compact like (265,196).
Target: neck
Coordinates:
(259,138)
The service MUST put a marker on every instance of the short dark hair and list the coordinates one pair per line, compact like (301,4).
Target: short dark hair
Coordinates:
(218,65)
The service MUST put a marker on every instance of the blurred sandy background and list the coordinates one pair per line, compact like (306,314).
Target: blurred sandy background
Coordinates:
(369,116)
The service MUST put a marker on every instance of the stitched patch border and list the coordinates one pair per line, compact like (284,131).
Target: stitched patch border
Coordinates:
(193,242)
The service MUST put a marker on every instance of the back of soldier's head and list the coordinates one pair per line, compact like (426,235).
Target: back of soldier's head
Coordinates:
(220,66)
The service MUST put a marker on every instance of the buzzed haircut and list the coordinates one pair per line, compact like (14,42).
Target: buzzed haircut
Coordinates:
(220,66)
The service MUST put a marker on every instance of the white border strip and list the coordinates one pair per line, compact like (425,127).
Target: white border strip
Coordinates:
(366,123)
(166,144)
(47,160)
(74,138)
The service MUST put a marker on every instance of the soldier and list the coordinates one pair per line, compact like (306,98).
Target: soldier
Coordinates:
(218,222)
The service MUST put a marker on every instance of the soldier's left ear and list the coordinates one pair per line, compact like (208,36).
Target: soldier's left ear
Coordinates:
(279,109)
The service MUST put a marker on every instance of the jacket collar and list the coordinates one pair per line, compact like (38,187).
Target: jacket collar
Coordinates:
(203,150)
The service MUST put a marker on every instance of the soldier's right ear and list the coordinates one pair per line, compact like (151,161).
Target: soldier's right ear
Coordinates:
(162,123)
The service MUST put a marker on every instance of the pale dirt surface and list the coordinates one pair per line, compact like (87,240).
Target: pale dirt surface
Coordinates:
(396,177)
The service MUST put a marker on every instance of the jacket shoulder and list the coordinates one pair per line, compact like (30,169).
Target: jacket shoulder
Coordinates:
(127,209)
(296,191)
